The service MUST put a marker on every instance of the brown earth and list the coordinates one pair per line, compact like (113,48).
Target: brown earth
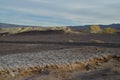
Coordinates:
(108,71)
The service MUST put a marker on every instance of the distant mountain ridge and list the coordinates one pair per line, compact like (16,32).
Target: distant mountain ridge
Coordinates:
(3,25)
(102,26)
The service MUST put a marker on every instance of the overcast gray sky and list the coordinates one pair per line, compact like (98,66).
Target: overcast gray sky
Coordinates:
(59,12)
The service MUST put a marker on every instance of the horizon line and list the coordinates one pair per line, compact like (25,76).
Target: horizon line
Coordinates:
(24,25)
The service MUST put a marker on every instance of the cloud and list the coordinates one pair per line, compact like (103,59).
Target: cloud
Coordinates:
(60,12)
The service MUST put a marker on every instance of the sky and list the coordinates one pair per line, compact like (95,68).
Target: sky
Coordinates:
(59,12)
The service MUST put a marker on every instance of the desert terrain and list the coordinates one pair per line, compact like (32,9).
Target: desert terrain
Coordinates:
(59,54)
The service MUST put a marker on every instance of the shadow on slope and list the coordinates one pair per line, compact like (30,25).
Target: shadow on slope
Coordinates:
(37,32)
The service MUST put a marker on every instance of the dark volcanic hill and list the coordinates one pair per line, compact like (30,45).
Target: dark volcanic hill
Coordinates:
(37,32)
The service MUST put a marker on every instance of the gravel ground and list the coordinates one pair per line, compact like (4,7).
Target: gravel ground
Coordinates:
(53,57)
(23,51)
(58,57)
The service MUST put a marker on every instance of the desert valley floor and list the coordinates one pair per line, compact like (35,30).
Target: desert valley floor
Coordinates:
(59,56)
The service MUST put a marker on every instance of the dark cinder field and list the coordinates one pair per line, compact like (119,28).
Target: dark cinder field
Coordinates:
(35,41)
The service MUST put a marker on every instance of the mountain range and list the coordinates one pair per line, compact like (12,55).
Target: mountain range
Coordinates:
(3,25)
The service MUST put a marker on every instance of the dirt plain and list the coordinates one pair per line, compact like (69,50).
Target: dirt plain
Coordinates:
(36,41)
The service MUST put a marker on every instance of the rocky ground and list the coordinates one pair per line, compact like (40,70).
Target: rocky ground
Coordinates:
(60,57)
